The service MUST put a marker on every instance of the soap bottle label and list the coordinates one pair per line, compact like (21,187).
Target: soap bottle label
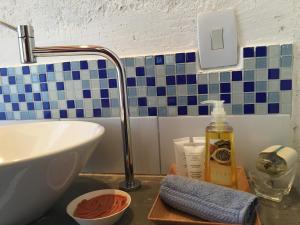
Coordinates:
(220,164)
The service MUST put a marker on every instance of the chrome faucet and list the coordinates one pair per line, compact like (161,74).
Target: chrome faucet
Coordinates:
(29,53)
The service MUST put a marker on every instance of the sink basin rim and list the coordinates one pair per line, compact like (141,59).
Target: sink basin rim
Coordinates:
(98,134)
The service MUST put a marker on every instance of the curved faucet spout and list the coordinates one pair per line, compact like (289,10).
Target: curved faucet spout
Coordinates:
(130,183)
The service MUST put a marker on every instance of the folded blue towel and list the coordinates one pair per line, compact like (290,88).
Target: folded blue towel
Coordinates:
(208,201)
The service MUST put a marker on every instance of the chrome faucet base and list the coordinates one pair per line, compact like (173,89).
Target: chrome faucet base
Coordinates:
(130,186)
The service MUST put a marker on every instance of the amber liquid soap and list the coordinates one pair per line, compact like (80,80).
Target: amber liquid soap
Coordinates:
(220,165)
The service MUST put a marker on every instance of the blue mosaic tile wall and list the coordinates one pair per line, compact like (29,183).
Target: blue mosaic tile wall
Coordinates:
(160,85)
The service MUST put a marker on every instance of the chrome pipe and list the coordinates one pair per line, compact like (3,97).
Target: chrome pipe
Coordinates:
(130,183)
(26,43)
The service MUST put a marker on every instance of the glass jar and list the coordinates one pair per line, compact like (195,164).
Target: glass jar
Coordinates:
(272,187)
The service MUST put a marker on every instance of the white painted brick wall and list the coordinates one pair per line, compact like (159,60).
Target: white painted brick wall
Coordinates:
(138,27)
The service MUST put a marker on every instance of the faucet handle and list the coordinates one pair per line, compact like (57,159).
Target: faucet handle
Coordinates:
(26,41)
(22,30)
(12,27)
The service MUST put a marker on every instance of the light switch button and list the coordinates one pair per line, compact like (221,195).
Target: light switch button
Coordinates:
(217,39)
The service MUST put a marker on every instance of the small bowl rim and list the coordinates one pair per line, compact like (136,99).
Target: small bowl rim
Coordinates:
(98,193)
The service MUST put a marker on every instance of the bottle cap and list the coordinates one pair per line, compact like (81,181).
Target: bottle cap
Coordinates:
(218,111)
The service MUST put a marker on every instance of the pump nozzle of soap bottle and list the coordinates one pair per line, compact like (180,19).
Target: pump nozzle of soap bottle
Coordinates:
(218,113)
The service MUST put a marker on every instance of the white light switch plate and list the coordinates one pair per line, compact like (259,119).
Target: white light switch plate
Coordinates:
(208,24)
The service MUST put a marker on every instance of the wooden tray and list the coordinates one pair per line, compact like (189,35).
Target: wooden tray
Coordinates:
(161,214)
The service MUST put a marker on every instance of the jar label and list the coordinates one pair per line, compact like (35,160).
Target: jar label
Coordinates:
(220,164)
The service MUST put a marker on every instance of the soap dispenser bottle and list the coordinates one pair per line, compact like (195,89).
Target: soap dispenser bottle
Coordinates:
(220,165)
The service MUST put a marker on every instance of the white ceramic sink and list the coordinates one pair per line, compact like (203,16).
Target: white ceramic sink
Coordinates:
(38,162)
